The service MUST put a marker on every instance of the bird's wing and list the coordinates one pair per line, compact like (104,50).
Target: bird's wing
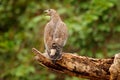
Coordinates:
(48,34)
(61,34)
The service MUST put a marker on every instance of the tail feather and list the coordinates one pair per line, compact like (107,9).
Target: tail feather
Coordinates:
(58,49)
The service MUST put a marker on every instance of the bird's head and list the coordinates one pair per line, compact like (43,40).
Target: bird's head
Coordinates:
(50,12)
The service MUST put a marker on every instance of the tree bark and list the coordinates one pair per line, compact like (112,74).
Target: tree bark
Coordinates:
(83,67)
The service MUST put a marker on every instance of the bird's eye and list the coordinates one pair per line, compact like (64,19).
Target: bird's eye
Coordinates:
(48,9)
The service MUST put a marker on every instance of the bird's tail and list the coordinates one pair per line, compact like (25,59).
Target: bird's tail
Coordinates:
(55,52)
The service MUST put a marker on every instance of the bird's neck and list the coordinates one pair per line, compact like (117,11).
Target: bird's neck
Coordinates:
(55,18)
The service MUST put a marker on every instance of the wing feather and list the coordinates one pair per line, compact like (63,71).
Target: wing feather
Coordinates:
(48,36)
(60,34)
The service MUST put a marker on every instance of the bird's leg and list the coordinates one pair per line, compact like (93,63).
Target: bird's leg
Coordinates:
(54,61)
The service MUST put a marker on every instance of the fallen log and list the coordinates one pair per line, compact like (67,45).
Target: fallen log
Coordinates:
(83,67)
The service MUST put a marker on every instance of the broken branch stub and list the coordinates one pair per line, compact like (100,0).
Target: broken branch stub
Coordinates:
(115,68)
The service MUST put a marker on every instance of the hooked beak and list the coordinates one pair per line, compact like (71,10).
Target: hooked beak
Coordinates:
(46,12)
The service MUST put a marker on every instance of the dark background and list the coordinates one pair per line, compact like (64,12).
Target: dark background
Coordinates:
(94,31)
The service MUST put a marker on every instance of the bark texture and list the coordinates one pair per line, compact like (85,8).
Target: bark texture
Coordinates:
(81,66)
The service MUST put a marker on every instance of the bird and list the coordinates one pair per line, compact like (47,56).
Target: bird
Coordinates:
(55,35)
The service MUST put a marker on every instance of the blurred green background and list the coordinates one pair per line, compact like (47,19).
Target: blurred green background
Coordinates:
(94,31)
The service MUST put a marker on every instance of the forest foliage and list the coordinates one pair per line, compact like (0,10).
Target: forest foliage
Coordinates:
(94,31)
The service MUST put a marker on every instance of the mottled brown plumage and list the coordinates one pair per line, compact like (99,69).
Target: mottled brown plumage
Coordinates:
(55,35)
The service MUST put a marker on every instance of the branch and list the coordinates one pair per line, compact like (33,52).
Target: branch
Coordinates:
(115,68)
(80,66)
